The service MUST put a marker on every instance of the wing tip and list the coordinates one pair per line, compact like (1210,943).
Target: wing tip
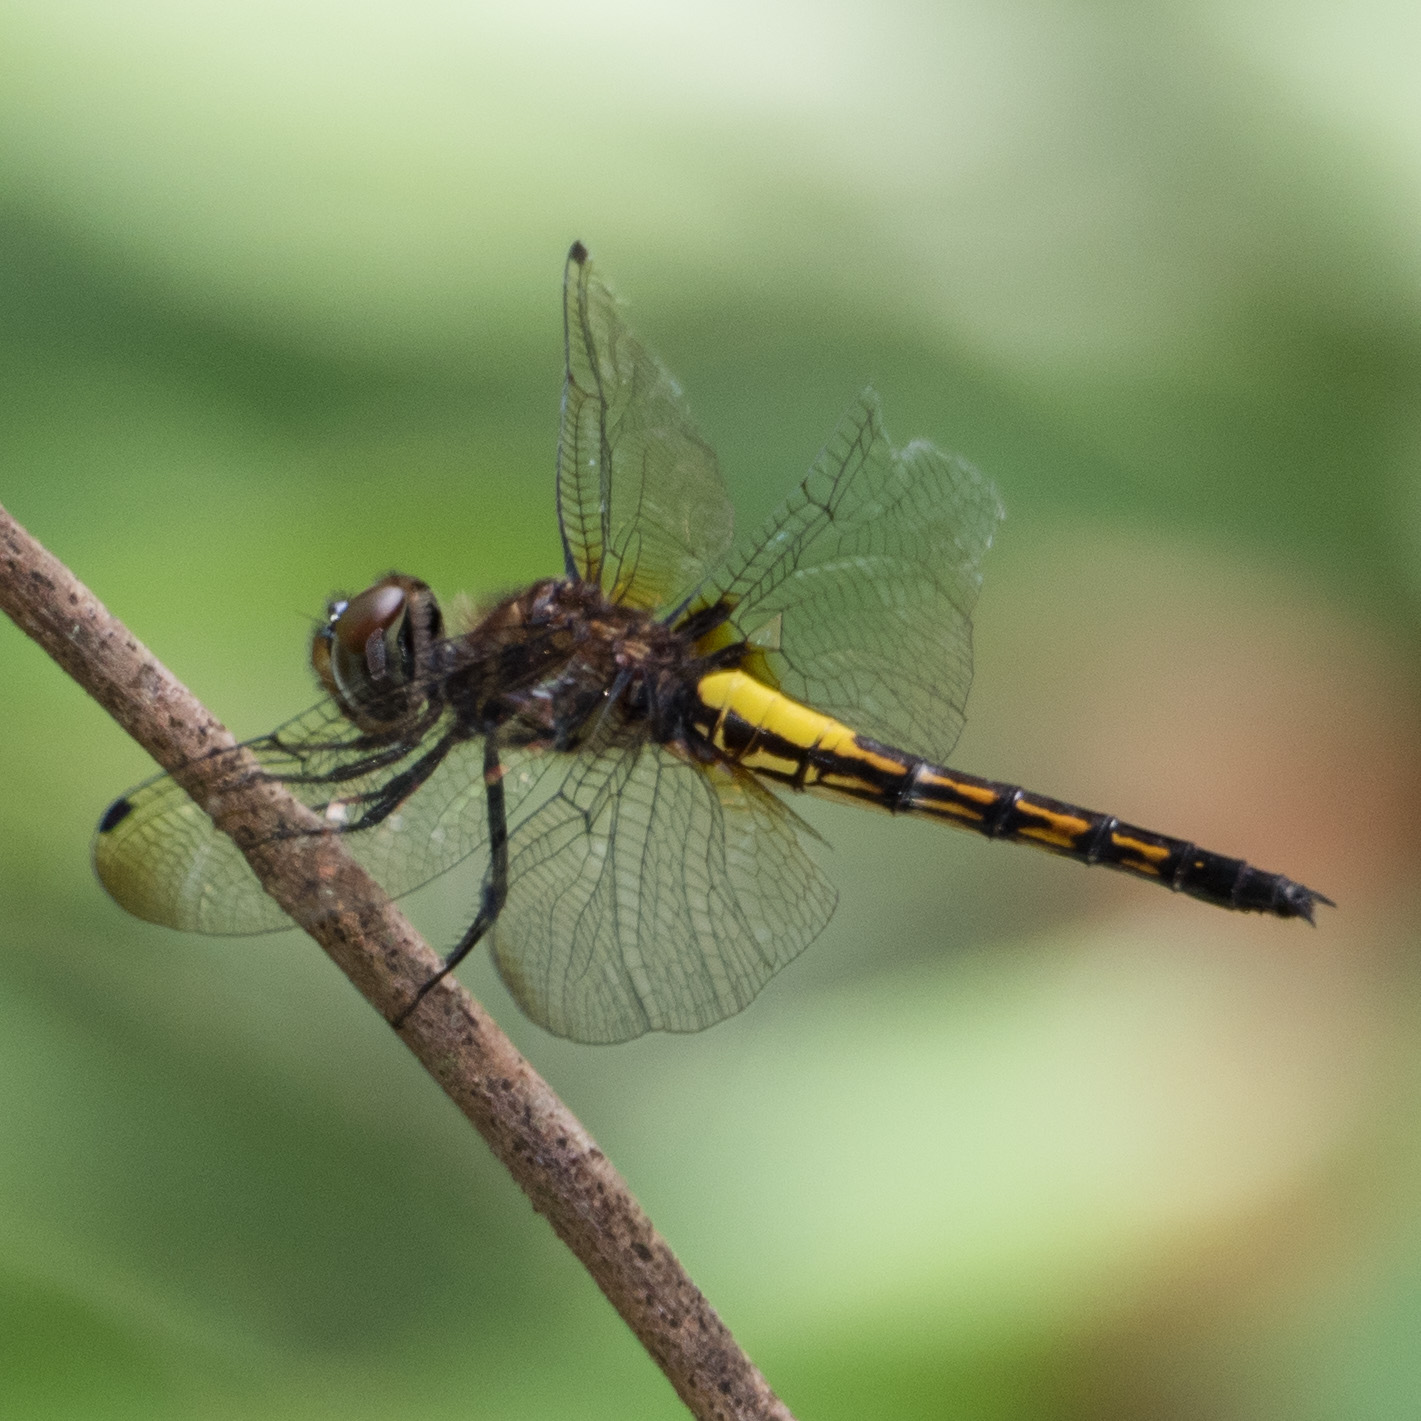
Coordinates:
(577,254)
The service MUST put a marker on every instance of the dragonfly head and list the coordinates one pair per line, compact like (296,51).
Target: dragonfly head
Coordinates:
(373,652)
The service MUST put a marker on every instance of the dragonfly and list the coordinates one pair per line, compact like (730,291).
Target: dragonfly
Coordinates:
(610,753)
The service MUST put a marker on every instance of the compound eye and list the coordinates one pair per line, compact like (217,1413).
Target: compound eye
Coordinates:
(366,620)
(373,651)
(358,653)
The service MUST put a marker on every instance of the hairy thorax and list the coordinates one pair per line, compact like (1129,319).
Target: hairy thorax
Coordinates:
(560,664)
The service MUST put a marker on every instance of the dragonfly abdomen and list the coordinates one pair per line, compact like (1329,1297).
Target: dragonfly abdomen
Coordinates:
(763,730)
(1003,811)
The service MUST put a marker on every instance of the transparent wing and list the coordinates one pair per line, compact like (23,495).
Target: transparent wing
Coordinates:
(161,858)
(641,504)
(859,592)
(645,893)
(648,894)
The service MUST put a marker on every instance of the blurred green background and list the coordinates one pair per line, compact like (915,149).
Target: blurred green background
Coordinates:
(279,310)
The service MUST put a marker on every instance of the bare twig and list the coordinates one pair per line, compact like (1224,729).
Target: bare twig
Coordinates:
(541,1143)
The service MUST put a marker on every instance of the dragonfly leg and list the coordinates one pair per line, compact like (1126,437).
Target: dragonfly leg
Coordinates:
(375,806)
(395,792)
(495,889)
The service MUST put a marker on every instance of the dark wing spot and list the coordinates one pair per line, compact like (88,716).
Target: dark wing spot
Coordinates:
(577,253)
(115,814)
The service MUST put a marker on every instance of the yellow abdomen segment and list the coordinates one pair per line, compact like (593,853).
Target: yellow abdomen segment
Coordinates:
(769,732)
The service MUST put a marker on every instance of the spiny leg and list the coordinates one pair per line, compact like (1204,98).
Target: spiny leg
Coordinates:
(376,805)
(495,889)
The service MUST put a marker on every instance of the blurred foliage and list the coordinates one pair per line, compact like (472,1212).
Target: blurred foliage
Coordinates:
(279,311)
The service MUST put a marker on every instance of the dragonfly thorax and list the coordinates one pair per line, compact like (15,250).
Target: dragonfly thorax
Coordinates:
(559,663)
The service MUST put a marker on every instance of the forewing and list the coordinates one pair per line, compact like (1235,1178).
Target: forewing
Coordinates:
(860,590)
(163,860)
(650,894)
(642,507)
